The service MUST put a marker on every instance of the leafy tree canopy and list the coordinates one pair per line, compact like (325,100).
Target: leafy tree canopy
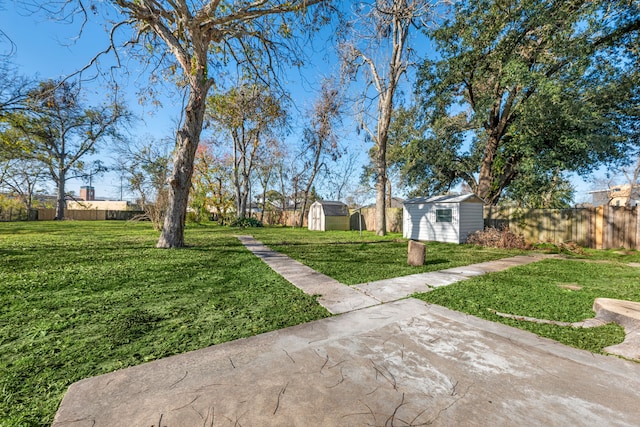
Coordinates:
(58,129)
(521,90)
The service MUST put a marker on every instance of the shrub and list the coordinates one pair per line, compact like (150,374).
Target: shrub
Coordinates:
(246,222)
(501,238)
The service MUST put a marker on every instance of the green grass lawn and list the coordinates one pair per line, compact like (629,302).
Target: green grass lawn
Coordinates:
(352,259)
(86,298)
(531,290)
(539,290)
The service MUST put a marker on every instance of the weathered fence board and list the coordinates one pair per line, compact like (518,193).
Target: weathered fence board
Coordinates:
(88,214)
(604,227)
(20,214)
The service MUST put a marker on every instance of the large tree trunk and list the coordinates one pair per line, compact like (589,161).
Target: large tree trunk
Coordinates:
(187,140)
(60,196)
(381,214)
(245,207)
(486,177)
(386,109)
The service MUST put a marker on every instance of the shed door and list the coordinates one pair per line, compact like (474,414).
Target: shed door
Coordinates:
(316,220)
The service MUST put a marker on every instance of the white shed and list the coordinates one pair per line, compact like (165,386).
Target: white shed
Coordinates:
(326,215)
(447,219)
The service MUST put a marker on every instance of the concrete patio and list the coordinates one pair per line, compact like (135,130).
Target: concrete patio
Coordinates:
(401,363)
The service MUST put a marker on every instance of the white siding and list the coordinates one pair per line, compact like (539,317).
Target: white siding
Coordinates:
(419,221)
(471,219)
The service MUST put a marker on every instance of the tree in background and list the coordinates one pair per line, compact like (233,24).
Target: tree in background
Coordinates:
(376,45)
(552,190)
(58,130)
(268,160)
(22,178)
(13,88)
(212,184)
(632,175)
(17,174)
(146,166)
(223,194)
(519,88)
(252,117)
(202,182)
(338,182)
(320,141)
(193,42)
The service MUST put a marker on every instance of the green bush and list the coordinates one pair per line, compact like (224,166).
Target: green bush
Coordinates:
(246,222)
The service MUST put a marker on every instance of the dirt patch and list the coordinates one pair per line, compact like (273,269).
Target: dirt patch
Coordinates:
(570,286)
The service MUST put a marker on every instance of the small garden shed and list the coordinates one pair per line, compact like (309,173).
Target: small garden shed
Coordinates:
(326,215)
(447,219)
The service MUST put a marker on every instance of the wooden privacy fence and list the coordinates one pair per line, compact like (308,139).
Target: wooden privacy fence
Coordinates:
(289,218)
(366,217)
(88,214)
(13,214)
(604,227)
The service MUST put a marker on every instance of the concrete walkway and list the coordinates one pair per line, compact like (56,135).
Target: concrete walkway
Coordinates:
(333,295)
(339,298)
(404,363)
(401,287)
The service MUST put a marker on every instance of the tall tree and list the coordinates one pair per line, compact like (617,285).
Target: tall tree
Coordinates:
(251,116)
(377,46)
(320,141)
(524,82)
(212,184)
(57,129)
(145,164)
(196,38)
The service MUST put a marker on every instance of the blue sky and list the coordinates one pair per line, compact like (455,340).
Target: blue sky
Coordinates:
(51,49)
(48,49)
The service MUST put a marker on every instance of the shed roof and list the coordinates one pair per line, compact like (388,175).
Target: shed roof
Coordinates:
(455,198)
(332,208)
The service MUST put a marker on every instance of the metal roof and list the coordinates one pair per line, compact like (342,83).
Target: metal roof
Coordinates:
(332,208)
(450,198)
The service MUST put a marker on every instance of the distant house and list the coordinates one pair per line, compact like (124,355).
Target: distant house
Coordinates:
(447,219)
(88,201)
(327,215)
(618,195)
(106,205)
